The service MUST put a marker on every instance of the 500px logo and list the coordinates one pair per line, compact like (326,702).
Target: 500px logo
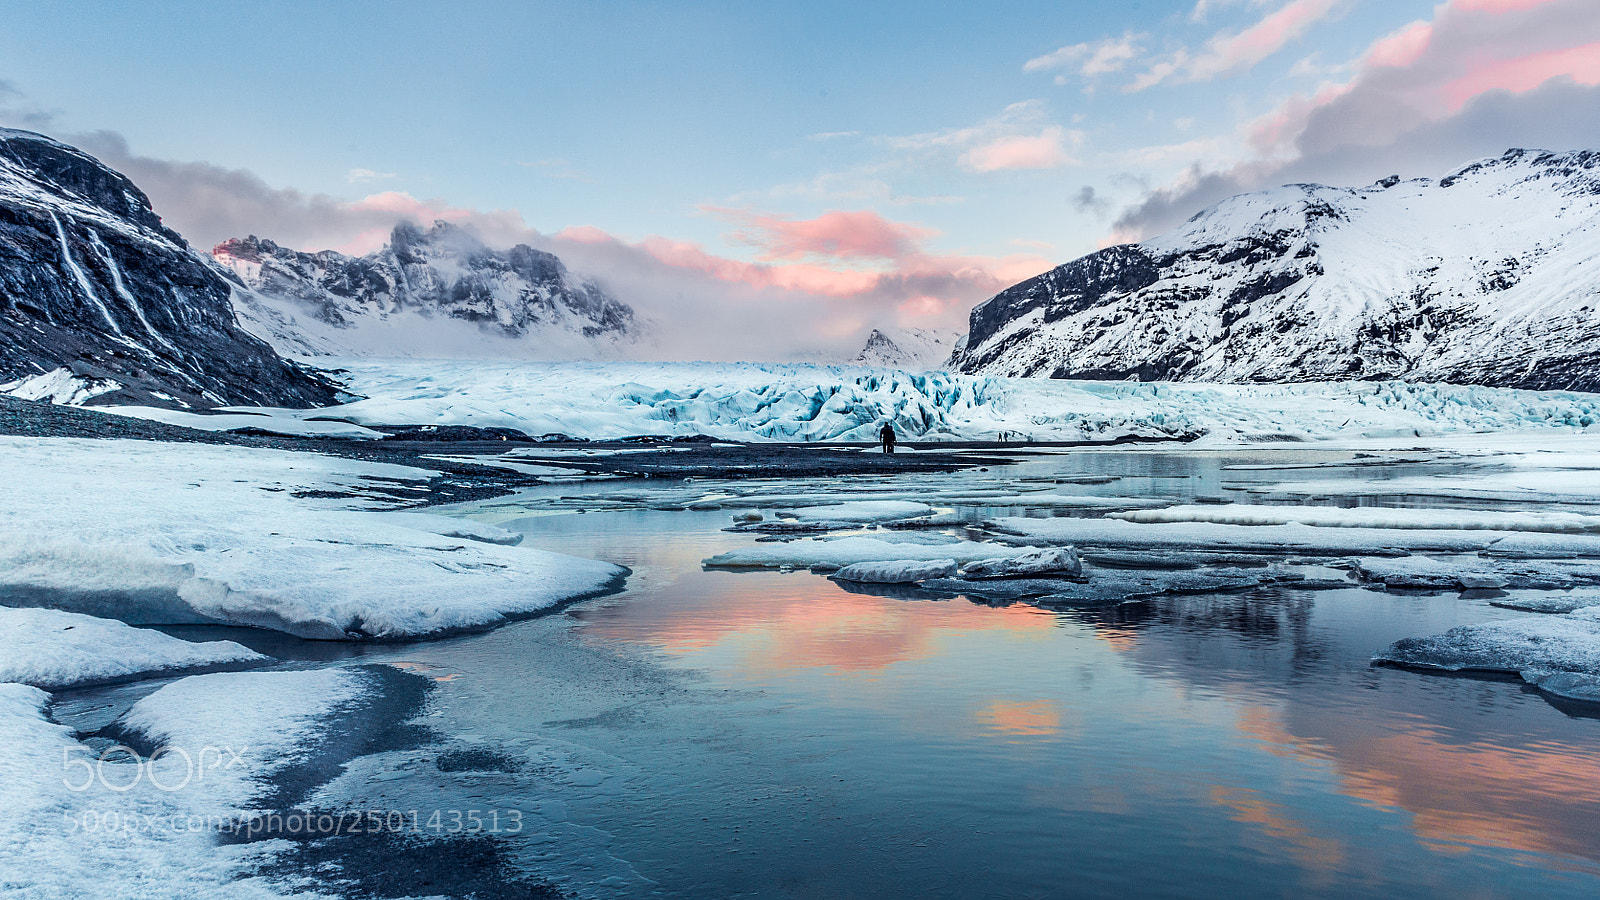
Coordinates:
(120,768)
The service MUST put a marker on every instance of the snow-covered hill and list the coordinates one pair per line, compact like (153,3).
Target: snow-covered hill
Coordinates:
(99,302)
(434,293)
(908,348)
(1488,276)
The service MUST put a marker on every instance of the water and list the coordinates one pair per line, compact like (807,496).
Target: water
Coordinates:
(762,734)
(721,734)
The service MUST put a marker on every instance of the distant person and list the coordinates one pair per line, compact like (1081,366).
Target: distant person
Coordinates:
(886,434)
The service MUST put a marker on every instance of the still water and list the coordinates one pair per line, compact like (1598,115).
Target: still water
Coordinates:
(720,734)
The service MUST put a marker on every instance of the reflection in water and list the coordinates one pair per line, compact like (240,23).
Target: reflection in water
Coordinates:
(1213,746)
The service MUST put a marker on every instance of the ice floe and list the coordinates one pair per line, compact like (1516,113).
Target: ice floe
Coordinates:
(196,533)
(51,649)
(859,511)
(837,554)
(1558,653)
(1370,517)
(1057,562)
(896,571)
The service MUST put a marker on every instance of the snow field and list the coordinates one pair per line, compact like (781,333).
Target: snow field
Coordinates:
(145,829)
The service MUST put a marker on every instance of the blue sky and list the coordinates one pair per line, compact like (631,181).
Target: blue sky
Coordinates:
(892,139)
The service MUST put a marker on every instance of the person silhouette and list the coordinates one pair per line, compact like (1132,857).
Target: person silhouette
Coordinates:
(886,434)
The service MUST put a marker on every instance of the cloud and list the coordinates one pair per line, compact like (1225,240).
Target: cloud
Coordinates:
(832,135)
(814,290)
(1042,151)
(17,111)
(861,234)
(1479,77)
(357,176)
(1088,200)
(1090,58)
(1229,53)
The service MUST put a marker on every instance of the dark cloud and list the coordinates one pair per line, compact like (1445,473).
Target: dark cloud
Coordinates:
(1559,115)
(1087,200)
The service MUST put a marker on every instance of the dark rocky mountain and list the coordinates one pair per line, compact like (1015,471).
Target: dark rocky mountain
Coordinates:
(439,292)
(1490,275)
(101,303)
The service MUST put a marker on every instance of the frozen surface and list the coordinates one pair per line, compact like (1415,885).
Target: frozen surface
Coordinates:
(218,534)
(147,830)
(1559,653)
(276,424)
(1057,561)
(52,649)
(1372,517)
(852,550)
(860,511)
(751,401)
(1291,538)
(897,571)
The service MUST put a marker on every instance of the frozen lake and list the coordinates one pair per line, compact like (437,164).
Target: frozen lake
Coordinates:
(769,734)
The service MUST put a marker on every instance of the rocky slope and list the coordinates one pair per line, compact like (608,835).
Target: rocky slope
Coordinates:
(1490,275)
(101,303)
(439,292)
(908,348)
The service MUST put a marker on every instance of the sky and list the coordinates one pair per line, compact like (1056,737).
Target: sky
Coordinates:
(772,180)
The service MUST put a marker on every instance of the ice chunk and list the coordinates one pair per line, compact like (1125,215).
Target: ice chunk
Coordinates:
(1560,603)
(1300,539)
(859,511)
(849,551)
(897,571)
(1059,561)
(1569,643)
(1372,517)
(1572,685)
(51,649)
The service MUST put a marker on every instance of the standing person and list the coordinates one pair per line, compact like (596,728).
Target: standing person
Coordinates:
(886,434)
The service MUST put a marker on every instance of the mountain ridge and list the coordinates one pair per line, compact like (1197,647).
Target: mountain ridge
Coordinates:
(101,302)
(1490,275)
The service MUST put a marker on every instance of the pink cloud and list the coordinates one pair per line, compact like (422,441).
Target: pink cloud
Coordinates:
(861,234)
(1019,152)
(1581,64)
(1262,39)
(1429,70)
(1402,48)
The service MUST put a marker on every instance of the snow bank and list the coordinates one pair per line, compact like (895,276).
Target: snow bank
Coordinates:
(59,386)
(217,534)
(752,401)
(72,825)
(53,650)
(266,421)
(273,720)
(1371,517)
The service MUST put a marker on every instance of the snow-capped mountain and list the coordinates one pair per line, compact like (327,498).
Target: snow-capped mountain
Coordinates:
(99,302)
(1488,276)
(439,292)
(908,348)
